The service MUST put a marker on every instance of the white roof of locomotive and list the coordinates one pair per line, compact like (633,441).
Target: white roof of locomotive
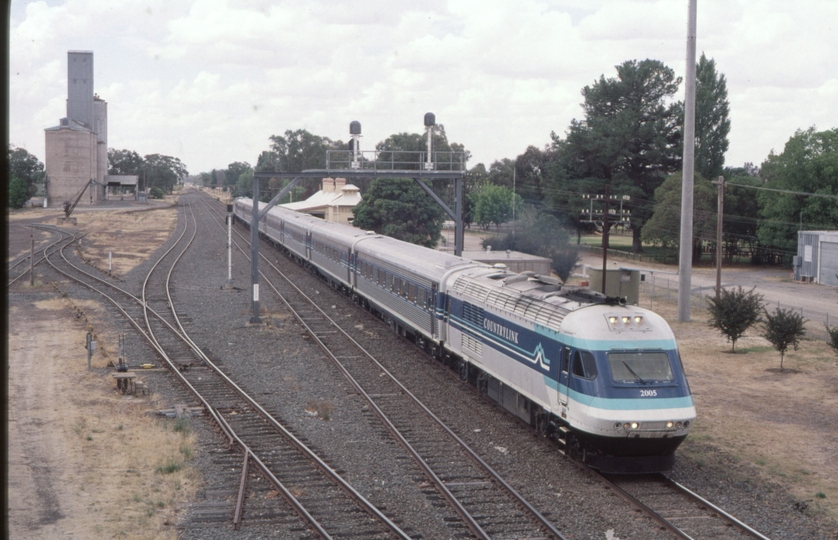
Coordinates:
(530,296)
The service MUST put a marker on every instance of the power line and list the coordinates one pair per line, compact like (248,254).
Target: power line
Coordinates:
(824,195)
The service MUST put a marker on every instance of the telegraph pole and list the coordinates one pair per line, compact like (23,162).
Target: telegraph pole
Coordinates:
(605,236)
(685,262)
(254,255)
(720,211)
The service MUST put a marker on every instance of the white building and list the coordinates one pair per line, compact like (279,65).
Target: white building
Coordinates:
(334,202)
(817,257)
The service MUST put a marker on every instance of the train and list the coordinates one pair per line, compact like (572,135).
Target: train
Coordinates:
(603,379)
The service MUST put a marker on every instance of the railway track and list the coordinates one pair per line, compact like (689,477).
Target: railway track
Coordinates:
(453,472)
(325,504)
(679,510)
(18,269)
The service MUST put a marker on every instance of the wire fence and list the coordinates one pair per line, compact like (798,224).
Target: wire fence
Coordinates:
(665,289)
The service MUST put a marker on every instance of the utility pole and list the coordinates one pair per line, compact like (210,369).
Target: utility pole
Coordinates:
(254,255)
(229,245)
(32,261)
(685,261)
(605,236)
(719,218)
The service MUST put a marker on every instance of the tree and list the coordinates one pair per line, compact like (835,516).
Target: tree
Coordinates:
(530,174)
(543,235)
(494,204)
(711,119)
(28,169)
(664,227)
(124,162)
(734,312)
(300,150)
(234,172)
(399,208)
(630,136)
(163,172)
(808,164)
(18,194)
(405,151)
(784,328)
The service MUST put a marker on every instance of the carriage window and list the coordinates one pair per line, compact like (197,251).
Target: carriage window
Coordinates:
(584,365)
(640,366)
(411,292)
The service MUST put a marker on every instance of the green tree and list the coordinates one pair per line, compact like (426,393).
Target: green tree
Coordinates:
(664,227)
(407,151)
(833,338)
(494,204)
(163,172)
(124,162)
(26,168)
(401,209)
(734,312)
(784,328)
(711,119)
(808,164)
(740,213)
(234,172)
(244,185)
(543,235)
(530,174)
(300,150)
(18,193)
(630,137)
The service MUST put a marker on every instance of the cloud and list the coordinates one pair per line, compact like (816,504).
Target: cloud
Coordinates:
(210,80)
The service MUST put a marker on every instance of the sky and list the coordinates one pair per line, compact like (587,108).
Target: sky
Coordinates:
(209,81)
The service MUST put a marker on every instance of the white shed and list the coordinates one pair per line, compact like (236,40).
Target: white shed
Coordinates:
(817,257)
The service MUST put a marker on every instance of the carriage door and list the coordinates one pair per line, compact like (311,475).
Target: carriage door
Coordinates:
(564,368)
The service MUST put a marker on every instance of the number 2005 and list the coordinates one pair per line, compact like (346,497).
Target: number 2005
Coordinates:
(648,393)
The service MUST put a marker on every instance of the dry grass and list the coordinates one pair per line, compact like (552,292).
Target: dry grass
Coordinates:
(781,422)
(114,470)
(131,236)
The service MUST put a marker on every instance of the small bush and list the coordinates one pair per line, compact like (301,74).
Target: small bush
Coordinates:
(156,193)
(833,338)
(733,312)
(182,426)
(784,328)
(171,466)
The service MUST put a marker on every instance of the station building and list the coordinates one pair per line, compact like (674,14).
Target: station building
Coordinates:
(334,202)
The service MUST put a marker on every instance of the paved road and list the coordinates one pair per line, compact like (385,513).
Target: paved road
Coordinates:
(775,284)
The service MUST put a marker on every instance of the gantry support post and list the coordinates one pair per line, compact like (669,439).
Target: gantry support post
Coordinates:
(254,255)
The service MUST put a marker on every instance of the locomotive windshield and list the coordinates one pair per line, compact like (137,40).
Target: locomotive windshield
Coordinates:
(640,366)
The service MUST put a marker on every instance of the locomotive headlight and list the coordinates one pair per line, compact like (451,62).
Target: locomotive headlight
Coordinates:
(686,423)
(669,425)
(626,320)
(612,319)
(678,425)
(631,425)
(638,319)
(618,425)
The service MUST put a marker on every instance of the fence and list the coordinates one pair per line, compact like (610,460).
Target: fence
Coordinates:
(665,289)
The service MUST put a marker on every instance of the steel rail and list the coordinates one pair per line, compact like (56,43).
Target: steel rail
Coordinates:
(476,528)
(734,521)
(369,507)
(216,416)
(64,236)
(631,499)
(295,504)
